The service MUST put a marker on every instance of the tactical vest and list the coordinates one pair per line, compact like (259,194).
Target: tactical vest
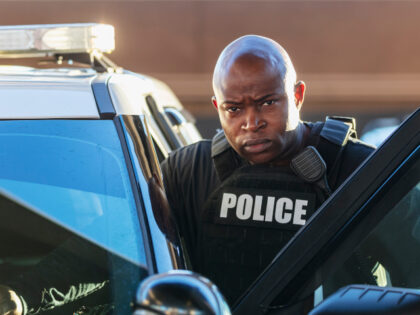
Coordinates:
(256,210)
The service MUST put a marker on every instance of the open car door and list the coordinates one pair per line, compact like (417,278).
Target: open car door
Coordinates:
(367,232)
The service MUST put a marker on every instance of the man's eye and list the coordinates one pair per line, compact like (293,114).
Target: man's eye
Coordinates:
(232,109)
(268,103)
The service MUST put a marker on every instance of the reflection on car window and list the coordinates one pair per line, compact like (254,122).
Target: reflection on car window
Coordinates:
(389,255)
(57,272)
(74,173)
(158,151)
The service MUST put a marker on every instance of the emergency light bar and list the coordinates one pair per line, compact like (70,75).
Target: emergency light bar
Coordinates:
(55,39)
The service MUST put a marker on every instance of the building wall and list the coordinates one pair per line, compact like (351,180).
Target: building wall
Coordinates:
(357,57)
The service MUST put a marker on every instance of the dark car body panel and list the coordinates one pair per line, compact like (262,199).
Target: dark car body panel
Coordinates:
(287,274)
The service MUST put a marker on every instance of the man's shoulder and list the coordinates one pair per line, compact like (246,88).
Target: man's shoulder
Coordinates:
(339,148)
(198,153)
(336,135)
(354,153)
(358,148)
(200,149)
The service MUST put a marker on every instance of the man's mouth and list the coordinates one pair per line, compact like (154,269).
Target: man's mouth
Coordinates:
(256,145)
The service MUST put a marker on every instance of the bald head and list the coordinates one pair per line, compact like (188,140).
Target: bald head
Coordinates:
(258,100)
(250,51)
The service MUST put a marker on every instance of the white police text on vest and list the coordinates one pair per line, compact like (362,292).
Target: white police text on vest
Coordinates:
(283,210)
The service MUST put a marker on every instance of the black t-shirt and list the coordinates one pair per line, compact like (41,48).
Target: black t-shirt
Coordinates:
(189,177)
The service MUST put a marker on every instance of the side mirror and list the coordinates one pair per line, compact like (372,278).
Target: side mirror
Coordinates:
(367,299)
(179,292)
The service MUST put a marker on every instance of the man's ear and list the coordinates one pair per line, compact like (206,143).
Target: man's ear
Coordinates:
(214,101)
(300,89)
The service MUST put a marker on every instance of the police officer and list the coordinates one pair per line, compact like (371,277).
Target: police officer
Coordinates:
(236,198)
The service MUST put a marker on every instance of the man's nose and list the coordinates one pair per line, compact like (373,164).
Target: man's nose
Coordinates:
(253,122)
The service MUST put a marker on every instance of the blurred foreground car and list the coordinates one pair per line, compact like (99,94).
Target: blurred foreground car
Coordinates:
(84,219)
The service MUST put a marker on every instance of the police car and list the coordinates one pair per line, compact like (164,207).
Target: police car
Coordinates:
(83,214)
(84,223)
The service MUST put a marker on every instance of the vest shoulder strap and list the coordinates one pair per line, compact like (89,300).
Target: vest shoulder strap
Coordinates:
(338,129)
(225,160)
(334,135)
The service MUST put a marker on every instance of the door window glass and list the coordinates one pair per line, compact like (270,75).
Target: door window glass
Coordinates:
(389,256)
(389,248)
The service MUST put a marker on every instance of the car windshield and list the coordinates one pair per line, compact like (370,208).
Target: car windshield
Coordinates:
(73,172)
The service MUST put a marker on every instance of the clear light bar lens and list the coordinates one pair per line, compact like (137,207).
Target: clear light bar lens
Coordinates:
(57,38)
(15,40)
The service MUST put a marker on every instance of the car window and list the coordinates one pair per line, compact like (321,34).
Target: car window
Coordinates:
(159,153)
(54,271)
(164,123)
(389,249)
(74,173)
(183,125)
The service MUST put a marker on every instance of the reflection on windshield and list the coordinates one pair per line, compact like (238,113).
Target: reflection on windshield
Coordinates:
(74,173)
(56,272)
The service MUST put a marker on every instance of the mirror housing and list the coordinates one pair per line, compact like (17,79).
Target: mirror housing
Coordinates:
(368,299)
(179,292)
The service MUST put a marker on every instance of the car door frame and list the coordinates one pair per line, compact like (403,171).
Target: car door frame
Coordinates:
(138,138)
(287,273)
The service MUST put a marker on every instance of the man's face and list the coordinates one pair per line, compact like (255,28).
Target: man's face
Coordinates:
(257,111)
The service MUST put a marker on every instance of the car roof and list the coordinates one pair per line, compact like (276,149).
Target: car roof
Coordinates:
(58,93)
(29,93)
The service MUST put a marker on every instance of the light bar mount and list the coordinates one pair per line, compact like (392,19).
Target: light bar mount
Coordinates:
(96,60)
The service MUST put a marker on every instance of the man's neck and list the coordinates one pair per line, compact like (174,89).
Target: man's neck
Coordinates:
(299,143)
